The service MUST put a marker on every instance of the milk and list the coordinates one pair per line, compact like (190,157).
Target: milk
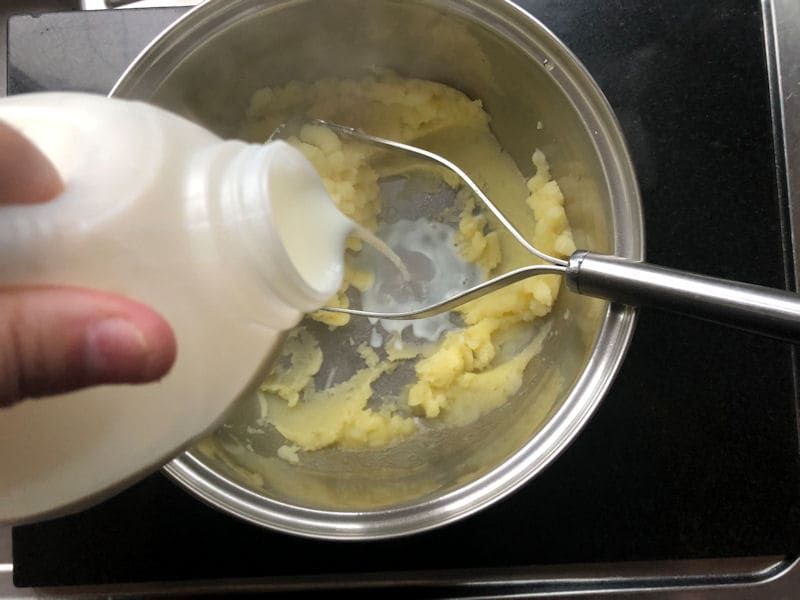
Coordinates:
(230,242)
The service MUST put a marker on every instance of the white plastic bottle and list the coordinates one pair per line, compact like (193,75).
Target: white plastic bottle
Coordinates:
(230,242)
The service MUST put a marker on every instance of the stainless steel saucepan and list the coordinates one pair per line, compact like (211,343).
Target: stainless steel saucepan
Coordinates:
(207,66)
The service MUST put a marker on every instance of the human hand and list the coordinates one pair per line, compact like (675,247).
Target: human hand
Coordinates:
(58,339)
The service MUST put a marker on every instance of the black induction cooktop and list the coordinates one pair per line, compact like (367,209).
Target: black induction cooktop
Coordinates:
(694,452)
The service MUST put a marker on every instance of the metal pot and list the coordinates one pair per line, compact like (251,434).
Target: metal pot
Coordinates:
(206,67)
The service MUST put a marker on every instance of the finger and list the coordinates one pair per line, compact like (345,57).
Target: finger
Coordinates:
(26,175)
(58,339)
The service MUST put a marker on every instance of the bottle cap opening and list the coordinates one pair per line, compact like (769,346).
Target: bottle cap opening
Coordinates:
(310,227)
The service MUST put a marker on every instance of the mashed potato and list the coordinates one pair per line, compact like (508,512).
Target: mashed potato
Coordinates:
(472,369)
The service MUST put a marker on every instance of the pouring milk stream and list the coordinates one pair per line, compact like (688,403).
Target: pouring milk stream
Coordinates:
(230,242)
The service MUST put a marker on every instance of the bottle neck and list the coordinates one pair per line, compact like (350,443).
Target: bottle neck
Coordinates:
(275,219)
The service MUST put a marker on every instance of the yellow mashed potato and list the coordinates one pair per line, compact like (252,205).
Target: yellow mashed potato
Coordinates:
(466,373)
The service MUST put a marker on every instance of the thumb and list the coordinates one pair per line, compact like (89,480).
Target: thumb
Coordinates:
(58,339)
(27,175)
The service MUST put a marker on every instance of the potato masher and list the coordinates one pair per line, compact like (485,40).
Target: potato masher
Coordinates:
(760,310)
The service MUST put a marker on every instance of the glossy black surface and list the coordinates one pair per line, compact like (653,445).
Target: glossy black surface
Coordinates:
(693,453)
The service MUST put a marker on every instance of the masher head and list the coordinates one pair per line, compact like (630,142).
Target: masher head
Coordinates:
(438,187)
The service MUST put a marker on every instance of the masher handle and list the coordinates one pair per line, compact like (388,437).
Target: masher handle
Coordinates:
(761,310)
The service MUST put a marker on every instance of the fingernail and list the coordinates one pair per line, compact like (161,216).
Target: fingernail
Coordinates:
(116,350)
